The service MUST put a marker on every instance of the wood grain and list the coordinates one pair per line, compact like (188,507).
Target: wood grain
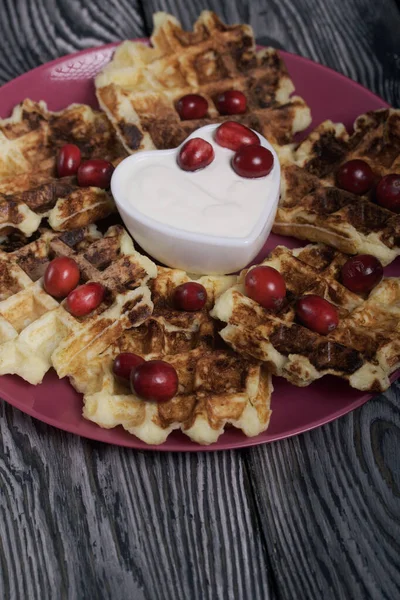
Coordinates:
(317,516)
(33,33)
(335,505)
(88,520)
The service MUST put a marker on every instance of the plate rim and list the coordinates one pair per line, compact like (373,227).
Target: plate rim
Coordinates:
(170,445)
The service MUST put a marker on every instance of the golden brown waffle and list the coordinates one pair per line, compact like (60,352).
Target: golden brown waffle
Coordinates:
(140,87)
(29,189)
(36,331)
(312,208)
(365,347)
(216,386)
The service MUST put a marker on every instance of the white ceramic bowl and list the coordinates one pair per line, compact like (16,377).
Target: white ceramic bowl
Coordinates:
(194,252)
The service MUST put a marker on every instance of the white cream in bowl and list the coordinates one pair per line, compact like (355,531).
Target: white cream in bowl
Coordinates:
(208,221)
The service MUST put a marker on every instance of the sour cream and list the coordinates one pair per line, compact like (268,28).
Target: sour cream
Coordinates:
(208,221)
(213,201)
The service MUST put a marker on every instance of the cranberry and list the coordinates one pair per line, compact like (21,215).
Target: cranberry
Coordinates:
(85,298)
(317,314)
(189,296)
(192,106)
(195,154)
(155,380)
(231,102)
(355,176)
(253,161)
(388,192)
(68,160)
(61,277)
(362,273)
(95,173)
(124,363)
(233,135)
(266,286)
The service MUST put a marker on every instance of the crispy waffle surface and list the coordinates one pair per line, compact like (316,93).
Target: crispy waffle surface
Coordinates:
(313,209)
(36,330)
(29,189)
(364,348)
(217,387)
(139,89)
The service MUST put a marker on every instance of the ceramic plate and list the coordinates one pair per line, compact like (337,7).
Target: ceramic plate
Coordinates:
(330,96)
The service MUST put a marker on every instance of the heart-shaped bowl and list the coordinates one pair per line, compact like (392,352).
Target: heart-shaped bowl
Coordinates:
(208,221)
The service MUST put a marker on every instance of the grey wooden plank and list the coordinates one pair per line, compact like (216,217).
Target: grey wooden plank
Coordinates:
(359,39)
(34,32)
(329,505)
(84,520)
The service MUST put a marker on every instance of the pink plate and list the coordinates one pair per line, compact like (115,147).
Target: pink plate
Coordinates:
(330,96)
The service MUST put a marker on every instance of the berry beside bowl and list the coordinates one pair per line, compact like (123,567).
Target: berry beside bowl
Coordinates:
(210,220)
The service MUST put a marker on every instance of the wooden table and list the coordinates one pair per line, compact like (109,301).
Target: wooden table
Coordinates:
(312,517)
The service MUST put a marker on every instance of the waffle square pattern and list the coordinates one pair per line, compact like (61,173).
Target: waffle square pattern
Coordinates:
(217,387)
(30,190)
(139,89)
(36,330)
(313,208)
(364,348)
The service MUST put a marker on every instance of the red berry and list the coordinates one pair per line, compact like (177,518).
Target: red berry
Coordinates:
(195,154)
(362,273)
(85,298)
(61,277)
(189,296)
(68,160)
(388,192)
(231,102)
(233,135)
(192,106)
(253,161)
(317,314)
(266,286)
(124,363)
(155,380)
(95,173)
(355,176)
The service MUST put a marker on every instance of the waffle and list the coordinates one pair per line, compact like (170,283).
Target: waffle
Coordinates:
(139,89)
(29,190)
(364,348)
(312,208)
(36,331)
(216,386)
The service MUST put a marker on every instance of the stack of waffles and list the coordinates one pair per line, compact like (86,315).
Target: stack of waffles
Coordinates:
(224,354)
(216,385)
(36,330)
(364,348)
(312,208)
(139,89)
(30,192)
